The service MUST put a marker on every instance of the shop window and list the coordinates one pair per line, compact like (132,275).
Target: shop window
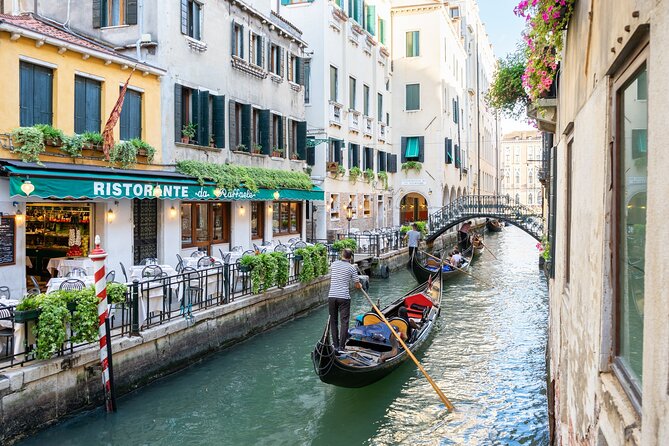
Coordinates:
(286,217)
(204,224)
(631,186)
(131,116)
(257,219)
(87,94)
(36,94)
(334,206)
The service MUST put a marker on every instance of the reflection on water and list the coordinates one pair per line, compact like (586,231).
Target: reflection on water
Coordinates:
(486,353)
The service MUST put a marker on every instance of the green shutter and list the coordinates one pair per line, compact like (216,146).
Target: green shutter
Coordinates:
(412,97)
(264,119)
(416,43)
(203,128)
(178,120)
(382,31)
(282,124)
(379,107)
(195,107)
(247,128)
(301,139)
(232,118)
(218,120)
(131,12)
(299,68)
(97,13)
(371,19)
(412,148)
(79,105)
(285,2)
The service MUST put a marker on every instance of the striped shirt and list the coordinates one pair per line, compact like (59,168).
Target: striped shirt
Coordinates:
(340,278)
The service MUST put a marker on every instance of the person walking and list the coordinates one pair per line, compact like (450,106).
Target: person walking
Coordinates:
(343,272)
(413,236)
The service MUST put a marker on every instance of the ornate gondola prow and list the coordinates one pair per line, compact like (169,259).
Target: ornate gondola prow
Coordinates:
(323,355)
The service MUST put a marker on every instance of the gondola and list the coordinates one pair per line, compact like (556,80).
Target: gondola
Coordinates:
(422,272)
(477,246)
(361,363)
(494,226)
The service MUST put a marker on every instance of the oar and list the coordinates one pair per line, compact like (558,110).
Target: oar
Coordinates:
(489,250)
(460,269)
(436,388)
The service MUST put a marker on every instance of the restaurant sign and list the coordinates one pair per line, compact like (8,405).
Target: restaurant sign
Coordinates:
(177,190)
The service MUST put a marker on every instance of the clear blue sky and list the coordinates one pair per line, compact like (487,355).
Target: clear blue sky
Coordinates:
(503,27)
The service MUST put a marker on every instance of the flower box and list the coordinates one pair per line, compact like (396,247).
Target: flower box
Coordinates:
(26,315)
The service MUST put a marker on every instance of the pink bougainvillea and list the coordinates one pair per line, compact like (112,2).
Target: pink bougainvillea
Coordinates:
(545,24)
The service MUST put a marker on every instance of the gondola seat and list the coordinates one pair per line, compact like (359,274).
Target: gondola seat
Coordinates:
(400,325)
(370,319)
(416,305)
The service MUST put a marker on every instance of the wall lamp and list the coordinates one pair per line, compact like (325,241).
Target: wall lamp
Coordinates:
(173,212)
(19,218)
(110,213)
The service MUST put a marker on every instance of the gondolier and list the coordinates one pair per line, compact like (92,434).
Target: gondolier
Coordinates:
(339,297)
(463,236)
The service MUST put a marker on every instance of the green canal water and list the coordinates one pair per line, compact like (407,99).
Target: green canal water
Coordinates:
(486,354)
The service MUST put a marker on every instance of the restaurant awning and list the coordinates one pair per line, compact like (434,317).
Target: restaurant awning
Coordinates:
(63,181)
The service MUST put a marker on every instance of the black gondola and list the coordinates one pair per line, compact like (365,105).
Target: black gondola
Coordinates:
(494,226)
(422,272)
(362,364)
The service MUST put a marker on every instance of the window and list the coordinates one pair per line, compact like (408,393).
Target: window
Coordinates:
(307,80)
(529,199)
(334,150)
(517,154)
(517,175)
(367,205)
(353,201)
(292,67)
(454,12)
(456,107)
(379,107)
(286,217)
(351,93)
(277,132)
(192,16)
(204,110)
(276,59)
(255,123)
(370,19)
(567,209)
(412,151)
(131,116)
(256,50)
(368,158)
(507,153)
(204,224)
(334,87)
(114,13)
(530,175)
(365,100)
(382,31)
(237,40)
(36,95)
(517,198)
(334,206)
(413,43)
(257,219)
(86,105)
(630,210)
(412,97)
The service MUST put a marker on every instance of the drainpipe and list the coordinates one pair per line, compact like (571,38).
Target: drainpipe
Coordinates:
(67,18)
(140,19)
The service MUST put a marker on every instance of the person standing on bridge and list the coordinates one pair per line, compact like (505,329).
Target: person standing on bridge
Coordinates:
(463,236)
(339,298)
(413,236)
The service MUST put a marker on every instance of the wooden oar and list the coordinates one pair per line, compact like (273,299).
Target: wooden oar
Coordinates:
(460,269)
(489,250)
(436,388)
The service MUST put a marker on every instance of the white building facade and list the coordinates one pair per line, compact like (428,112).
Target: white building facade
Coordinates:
(348,109)
(521,160)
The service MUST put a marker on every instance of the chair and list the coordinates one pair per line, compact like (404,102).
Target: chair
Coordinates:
(76,272)
(282,248)
(125,274)
(192,290)
(4,292)
(149,261)
(256,248)
(237,249)
(248,252)
(152,271)
(197,253)
(205,262)
(111,275)
(298,244)
(266,243)
(7,314)
(293,240)
(35,289)
(180,263)
(225,257)
(72,285)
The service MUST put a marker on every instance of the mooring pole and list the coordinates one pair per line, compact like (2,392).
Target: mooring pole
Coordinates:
(98,256)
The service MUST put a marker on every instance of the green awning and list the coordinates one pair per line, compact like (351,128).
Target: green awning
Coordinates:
(413,148)
(95,182)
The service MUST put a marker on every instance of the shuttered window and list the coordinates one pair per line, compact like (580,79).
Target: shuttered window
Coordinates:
(86,105)
(352,90)
(237,40)
(412,148)
(382,164)
(114,13)
(413,44)
(36,95)
(301,137)
(334,88)
(370,19)
(379,107)
(368,161)
(392,163)
(382,31)
(365,100)
(131,116)
(353,155)
(412,97)
(205,111)
(449,150)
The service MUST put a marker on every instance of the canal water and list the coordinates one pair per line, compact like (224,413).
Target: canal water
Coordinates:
(486,354)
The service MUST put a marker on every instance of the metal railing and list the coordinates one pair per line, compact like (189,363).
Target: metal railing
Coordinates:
(377,242)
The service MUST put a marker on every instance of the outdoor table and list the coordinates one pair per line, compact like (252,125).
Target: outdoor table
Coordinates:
(19,329)
(191,262)
(54,283)
(63,265)
(135,271)
(154,293)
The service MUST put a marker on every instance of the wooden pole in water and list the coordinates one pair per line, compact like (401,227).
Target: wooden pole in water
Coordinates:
(436,388)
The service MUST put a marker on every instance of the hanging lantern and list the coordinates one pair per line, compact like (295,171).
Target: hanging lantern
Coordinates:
(27,187)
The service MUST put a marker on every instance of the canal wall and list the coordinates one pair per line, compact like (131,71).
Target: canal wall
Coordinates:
(41,394)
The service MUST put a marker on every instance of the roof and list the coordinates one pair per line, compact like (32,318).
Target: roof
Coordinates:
(39,25)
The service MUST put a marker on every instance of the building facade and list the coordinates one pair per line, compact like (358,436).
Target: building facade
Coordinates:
(348,110)
(609,324)
(56,77)
(232,94)
(521,161)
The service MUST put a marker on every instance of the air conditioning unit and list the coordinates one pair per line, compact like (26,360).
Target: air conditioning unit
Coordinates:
(332,166)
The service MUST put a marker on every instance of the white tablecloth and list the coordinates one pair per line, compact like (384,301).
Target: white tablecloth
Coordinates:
(191,262)
(19,329)
(54,284)
(135,271)
(63,265)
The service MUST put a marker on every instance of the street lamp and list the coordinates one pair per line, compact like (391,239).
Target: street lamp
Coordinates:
(349,215)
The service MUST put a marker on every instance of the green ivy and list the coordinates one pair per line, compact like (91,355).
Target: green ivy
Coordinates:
(315,262)
(415,165)
(85,316)
(29,143)
(354,173)
(422,228)
(307,273)
(320,252)
(51,325)
(148,149)
(383,176)
(230,176)
(52,135)
(345,243)
(269,266)
(283,268)
(92,138)
(116,292)
(72,145)
(369,175)
(506,92)
(123,153)
(267,270)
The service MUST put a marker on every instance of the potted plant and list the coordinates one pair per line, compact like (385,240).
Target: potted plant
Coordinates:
(144,148)
(353,173)
(29,143)
(257,148)
(123,153)
(188,132)
(72,145)
(294,157)
(383,176)
(212,141)
(277,152)
(241,148)
(369,175)
(52,136)
(92,140)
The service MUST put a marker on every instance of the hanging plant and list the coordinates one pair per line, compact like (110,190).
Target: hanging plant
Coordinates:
(28,143)
(123,153)
(369,175)
(72,145)
(507,92)
(383,177)
(354,173)
(142,146)
(52,136)
(282,268)
(409,165)
(92,139)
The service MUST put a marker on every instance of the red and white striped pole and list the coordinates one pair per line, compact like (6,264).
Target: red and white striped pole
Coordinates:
(98,256)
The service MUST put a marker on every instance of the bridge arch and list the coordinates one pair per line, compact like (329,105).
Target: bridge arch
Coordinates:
(485,206)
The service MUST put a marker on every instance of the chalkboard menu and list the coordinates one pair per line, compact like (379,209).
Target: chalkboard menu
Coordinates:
(7,241)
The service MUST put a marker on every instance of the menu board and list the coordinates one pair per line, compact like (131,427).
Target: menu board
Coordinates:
(7,241)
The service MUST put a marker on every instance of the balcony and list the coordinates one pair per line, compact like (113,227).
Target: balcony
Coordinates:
(353,120)
(368,129)
(335,113)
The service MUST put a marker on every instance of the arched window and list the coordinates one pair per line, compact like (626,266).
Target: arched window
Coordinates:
(517,198)
(517,175)
(530,175)
(529,199)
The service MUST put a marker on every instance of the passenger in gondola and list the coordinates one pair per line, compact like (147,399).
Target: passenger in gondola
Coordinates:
(404,314)
(457,259)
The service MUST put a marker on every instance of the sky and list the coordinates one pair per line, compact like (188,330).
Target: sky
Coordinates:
(504,29)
